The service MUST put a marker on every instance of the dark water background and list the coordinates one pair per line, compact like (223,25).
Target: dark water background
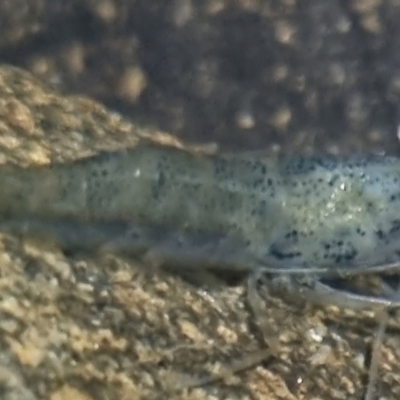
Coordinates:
(283,74)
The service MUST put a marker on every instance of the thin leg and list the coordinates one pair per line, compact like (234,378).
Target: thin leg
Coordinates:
(309,288)
(376,346)
(324,294)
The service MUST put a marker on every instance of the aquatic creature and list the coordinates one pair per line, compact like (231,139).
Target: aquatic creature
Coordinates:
(299,219)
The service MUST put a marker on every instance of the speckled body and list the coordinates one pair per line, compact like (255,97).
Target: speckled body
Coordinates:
(298,212)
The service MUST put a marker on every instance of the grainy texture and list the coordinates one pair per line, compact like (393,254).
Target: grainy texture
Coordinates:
(92,327)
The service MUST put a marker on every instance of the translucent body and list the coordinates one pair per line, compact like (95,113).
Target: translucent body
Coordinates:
(318,213)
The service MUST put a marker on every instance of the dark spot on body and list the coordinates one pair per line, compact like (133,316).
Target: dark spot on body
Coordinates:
(395,226)
(220,166)
(158,186)
(380,234)
(161,179)
(291,235)
(339,251)
(333,180)
(394,197)
(360,232)
(282,255)
(258,183)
